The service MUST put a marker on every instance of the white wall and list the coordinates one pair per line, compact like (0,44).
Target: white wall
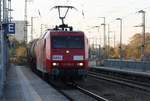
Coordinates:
(19,35)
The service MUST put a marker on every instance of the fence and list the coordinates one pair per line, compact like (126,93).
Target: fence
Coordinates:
(128,64)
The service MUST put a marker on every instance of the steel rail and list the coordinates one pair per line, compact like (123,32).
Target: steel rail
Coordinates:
(76,86)
(95,96)
(122,79)
(122,82)
(61,91)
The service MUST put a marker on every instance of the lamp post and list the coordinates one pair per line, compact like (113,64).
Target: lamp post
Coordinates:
(26,20)
(114,39)
(97,46)
(120,47)
(143,33)
(26,23)
(108,40)
(43,26)
(32,27)
(104,30)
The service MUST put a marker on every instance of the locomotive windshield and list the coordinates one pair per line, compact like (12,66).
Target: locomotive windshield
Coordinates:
(68,42)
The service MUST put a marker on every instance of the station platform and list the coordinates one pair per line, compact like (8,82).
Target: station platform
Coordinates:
(123,70)
(23,85)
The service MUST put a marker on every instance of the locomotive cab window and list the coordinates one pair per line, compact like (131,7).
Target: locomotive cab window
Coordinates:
(76,42)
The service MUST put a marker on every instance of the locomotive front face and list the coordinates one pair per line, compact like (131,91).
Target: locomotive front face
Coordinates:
(68,51)
(68,55)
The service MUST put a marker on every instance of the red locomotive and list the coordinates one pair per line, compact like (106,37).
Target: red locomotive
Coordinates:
(61,53)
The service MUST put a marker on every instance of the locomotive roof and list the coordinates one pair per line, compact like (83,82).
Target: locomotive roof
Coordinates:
(66,31)
(62,32)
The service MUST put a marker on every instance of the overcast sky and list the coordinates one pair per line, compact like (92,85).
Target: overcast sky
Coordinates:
(87,14)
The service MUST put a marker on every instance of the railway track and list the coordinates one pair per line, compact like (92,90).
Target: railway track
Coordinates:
(89,91)
(123,81)
(74,92)
(97,97)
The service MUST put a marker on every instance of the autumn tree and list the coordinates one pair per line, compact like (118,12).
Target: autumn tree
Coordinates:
(17,50)
(133,49)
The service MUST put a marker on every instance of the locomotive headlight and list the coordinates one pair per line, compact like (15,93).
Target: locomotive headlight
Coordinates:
(80,64)
(67,51)
(55,64)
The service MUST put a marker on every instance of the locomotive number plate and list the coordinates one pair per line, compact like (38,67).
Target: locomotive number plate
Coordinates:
(78,57)
(57,57)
